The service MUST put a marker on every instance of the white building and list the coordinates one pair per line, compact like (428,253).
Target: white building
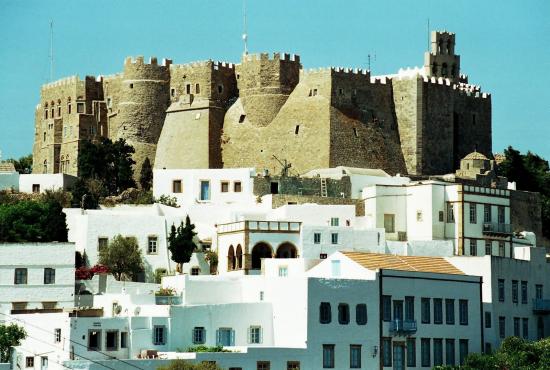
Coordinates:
(36,276)
(9,177)
(39,183)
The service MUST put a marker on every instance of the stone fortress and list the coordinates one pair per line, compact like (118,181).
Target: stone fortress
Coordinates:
(268,110)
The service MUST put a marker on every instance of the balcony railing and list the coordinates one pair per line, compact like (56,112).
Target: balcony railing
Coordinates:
(400,326)
(259,226)
(497,228)
(168,300)
(541,305)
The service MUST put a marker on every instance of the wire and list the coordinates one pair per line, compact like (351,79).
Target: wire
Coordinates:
(35,355)
(74,342)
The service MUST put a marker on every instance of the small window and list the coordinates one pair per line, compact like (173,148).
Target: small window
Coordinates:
(419,216)
(159,335)
(389,223)
(334,221)
(501,290)
(20,276)
(44,136)
(487,213)
(124,340)
(241,118)
(425,315)
(79,107)
(314,92)
(340,91)
(283,271)
(325,315)
(197,89)
(328,356)
(176,186)
(237,187)
(46,113)
(172,92)
(515,291)
(220,89)
(386,308)
(188,89)
(49,305)
(255,335)
(49,276)
(297,130)
(441,215)
(323,256)
(57,335)
(102,243)
(473,213)
(195,271)
(274,187)
(316,238)
(487,319)
(152,243)
(361,314)
(488,248)
(355,356)
(29,361)
(205,190)
(502,326)
(334,238)
(438,310)
(111,340)
(463,311)
(386,352)
(343,314)
(224,186)
(36,188)
(59,111)
(450,213)
(411,352)
(131,86)
(94,340)
(355,132)
(199,335)
(69,110)
(293,365)
(263,365)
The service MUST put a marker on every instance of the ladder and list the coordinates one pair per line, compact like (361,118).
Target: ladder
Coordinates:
(324,187)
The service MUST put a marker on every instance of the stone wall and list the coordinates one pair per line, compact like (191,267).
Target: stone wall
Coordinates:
(303,186)
(526,214)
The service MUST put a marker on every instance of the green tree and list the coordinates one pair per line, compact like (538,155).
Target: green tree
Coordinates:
(531,173)
(146,175)
(10,336)
(122,257)
(185,365)
(181,244)
(23,164)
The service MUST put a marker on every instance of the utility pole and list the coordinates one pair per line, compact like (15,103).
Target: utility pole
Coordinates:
(51,50)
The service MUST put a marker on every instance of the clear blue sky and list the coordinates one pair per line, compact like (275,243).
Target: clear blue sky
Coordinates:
(504,47)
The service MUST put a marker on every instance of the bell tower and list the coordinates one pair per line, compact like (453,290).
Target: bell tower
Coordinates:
(441,60)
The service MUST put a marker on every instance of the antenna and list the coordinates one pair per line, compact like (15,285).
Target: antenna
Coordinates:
(373,57)
(245,35)
(51,50)
(429,39)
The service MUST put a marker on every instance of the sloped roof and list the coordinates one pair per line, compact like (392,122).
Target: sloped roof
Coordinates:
(475,155)
(7,167)
(375,261)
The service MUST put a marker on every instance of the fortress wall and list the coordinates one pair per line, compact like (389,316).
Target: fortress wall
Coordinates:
(112,90)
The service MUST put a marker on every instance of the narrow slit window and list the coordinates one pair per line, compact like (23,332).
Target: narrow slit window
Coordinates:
(297,130)
(241,118)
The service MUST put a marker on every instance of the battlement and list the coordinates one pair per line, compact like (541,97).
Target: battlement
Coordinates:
(338,70)
(215,65)
(267,57)
(62,82)
(139,60)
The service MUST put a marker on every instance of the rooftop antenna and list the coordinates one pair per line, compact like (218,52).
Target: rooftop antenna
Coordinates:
(51,50)
(373,57)
(245,35)
(429,38)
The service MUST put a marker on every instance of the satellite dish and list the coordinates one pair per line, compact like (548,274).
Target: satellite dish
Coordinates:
(137,310)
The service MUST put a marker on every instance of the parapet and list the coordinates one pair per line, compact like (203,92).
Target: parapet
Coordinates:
(62,82)
(139,60)
(275,56)
(215,65)
(338,70)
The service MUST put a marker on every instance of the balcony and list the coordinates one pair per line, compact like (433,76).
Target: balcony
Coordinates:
(541,305)
(496,228)
(403,327)
(168,300)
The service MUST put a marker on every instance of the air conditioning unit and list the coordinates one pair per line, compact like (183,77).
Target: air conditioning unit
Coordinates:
(402,236)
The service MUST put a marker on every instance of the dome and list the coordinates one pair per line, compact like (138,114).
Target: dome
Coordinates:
(476,155)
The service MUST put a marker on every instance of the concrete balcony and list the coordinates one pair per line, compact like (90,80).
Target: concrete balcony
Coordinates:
(496,228)
(402,327)
(168,300)
(541,305)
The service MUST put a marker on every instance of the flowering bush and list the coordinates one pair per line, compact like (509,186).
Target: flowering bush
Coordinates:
(85,273)
(166,292)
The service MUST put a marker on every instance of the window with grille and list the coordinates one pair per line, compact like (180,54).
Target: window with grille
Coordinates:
(20,276)
(199,335)
(159,335)
(152,243)
(49,276)
(361,314)
(255,335)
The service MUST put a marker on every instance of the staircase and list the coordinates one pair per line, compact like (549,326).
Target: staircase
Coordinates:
(324,188)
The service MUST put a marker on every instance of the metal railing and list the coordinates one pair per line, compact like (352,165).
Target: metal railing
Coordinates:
(168,300)
(284,226)
(498,228)
(398,326)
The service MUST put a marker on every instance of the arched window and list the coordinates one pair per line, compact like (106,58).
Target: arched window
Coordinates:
(69,105)
(434,68)
(260,250)
(439,45)
(231,259)
(197,89)
(453,70)
(239,255)
(286,250)
(444,70)
(449,46)
(45,166)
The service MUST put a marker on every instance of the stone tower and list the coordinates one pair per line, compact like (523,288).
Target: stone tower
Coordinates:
(265,83)
(144,97)
(441,60)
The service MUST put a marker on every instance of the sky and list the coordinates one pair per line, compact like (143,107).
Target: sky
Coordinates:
(504,47)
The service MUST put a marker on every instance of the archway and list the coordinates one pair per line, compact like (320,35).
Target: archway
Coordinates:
(287,250)
(231,258)
(239,255)
(260,250)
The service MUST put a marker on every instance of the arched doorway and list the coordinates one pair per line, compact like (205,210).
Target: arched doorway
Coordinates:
(260,250)
(239,255)
(231,258)
(287,250)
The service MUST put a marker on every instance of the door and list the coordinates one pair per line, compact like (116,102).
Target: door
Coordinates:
(398,356)
(398,310)
(44,363)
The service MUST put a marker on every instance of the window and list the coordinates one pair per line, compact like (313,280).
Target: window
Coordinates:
(49,276)
(43,362)
(538,291)
(502,327)
(425,352)
(409,308)
(29,361)
(293,365)
(386,351)
(220,89)
(438,351)
(525,324)
(411,352)
(69,110)
(49,305)
(441,216)
(334,238)
(197,89)
(328,356)
(487,319)
(36,187)
(237,188)
(438,311)
(501,290)
(450,311)
(355,132)
(463,350)
(111,340)
(501,249)
(473,213)
(57,335)
(188,88)
(225,337)
(255,335)
(500,214)
(159,335)
(488,248)
(419,217)
(488,349)
(94,340)
(398,310)
(361,316)
(463,311)
(450,213)
(176,186)
(524,292)
(334,221)
(19,306)
(205,190)
(224,186)
(79,107)
(515,291)
(152,242)
(195,271)
(317,238)
(199,335)
(283,271)
(473,247)
(296,129)
(46,113)
(124,340)
(20,276)
(425,311)
(325,315)
(516,326)
(355,356)
(386,307)
(263,365)
(389,223)
(102,243)
(487,213)
(343,314)
(241,118)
